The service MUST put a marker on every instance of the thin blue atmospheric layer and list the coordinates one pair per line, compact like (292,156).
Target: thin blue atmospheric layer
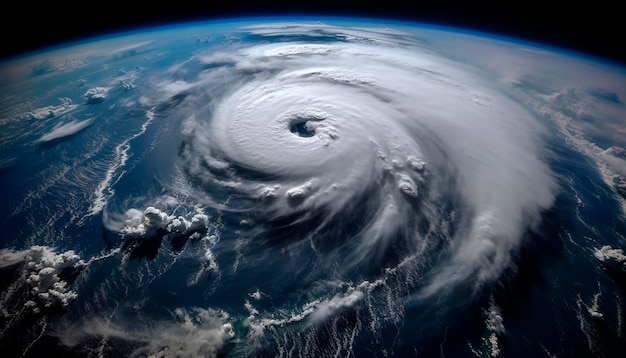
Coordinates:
(252,189)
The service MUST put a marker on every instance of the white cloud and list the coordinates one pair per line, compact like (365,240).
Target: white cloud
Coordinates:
(384,120)
(581,96)
(65,107)
(191,332)
(495,327)
(146,223)
(613,257)
(65,130)
(336,304)
(96,95)
(41,268)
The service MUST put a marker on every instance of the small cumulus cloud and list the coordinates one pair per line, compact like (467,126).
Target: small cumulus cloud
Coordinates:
(52,111)
(96,95)
(611,257)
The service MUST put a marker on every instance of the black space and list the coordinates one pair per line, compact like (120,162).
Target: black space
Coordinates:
(596,28)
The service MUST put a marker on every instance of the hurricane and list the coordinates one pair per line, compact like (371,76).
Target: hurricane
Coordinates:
(359,170)
(299,189)
(360,159)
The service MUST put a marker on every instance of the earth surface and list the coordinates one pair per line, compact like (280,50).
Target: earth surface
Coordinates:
(302,188)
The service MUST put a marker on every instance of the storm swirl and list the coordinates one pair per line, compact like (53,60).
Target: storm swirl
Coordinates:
(370,157)
(353,182)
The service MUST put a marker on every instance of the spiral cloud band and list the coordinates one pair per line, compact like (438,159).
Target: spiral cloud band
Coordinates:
(398,137)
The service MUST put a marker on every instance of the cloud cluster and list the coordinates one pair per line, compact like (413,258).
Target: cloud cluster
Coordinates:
(149,221)
(96,95)
(495,327)
(53,111)
(46,275)
(613,257)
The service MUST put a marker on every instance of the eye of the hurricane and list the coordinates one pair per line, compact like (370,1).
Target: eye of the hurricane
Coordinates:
(304,127)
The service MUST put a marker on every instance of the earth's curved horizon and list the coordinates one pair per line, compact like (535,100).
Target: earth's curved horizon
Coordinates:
(312,187)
